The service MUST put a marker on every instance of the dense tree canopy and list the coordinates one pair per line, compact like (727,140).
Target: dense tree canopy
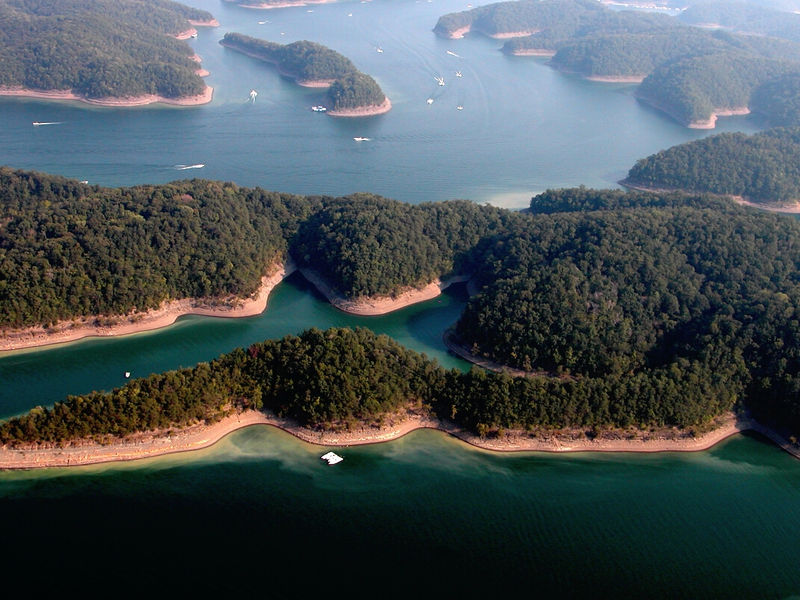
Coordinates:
(99,48)
(309,61)
(764,167)
(636,309)
(69,250)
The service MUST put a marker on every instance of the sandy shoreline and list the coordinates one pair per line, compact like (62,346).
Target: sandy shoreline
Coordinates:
(711,122)
(616,78)
(363,111)
(457,34)
(373,306)
(167,314)
(534,52)
(203,98)
(202,436)
(267,6)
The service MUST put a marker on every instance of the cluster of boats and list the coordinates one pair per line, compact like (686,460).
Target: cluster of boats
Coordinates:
(319,108)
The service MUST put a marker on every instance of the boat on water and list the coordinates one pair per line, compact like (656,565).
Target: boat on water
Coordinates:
(379,49)
(332,458)
(127,374)
(38,123)
(184,167)
(429,100)
(319,108)
(194,35)
(458,74)
(451,53)
(361,139)
(439,80)
(253,95)
(459,107)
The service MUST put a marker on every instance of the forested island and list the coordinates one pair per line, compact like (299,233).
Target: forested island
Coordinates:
(692,74)
(107,52)
(351,92)
(623,309)
(763,168)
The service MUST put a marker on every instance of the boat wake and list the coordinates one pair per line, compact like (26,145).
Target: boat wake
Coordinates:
(184,167)
(38,123)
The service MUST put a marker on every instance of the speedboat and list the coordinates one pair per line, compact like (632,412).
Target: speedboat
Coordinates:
(361,139)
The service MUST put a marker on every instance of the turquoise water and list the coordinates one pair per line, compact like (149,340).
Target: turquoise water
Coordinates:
(259,513)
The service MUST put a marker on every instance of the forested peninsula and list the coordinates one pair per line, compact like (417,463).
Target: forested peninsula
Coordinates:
(103,51)
(350,92)
(622,309)
(692,74)
(763,168)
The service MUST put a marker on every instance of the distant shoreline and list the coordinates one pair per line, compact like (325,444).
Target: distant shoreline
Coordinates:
(268,5)
(69,95)
(197,437)
(792,209)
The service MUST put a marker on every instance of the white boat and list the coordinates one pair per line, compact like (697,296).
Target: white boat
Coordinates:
(319,108)
(459,107)
(184,167)
(379,49)
(194,35)
(439,80)
(127,374)
(253,95)
(361,139)
(451,53)
(429,100)
(332,458)
(458,74)
(262,22)
(37,123)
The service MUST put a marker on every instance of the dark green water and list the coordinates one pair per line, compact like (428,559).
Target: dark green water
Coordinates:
(259,513)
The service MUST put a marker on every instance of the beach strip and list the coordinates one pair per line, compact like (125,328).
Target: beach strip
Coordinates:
(197,437)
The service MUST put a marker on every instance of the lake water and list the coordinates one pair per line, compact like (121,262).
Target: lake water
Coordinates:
(260,512)
(524,127)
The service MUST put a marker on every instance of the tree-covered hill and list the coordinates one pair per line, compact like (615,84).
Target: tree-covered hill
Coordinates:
(366,245)
(745,17)
(99,48)
(689,73)
(69,250)
(764,167)
(307,61)
(645,309)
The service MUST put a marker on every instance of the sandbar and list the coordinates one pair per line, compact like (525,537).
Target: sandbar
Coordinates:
(196,437)
(142,100)
(379,305)
(166,314)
